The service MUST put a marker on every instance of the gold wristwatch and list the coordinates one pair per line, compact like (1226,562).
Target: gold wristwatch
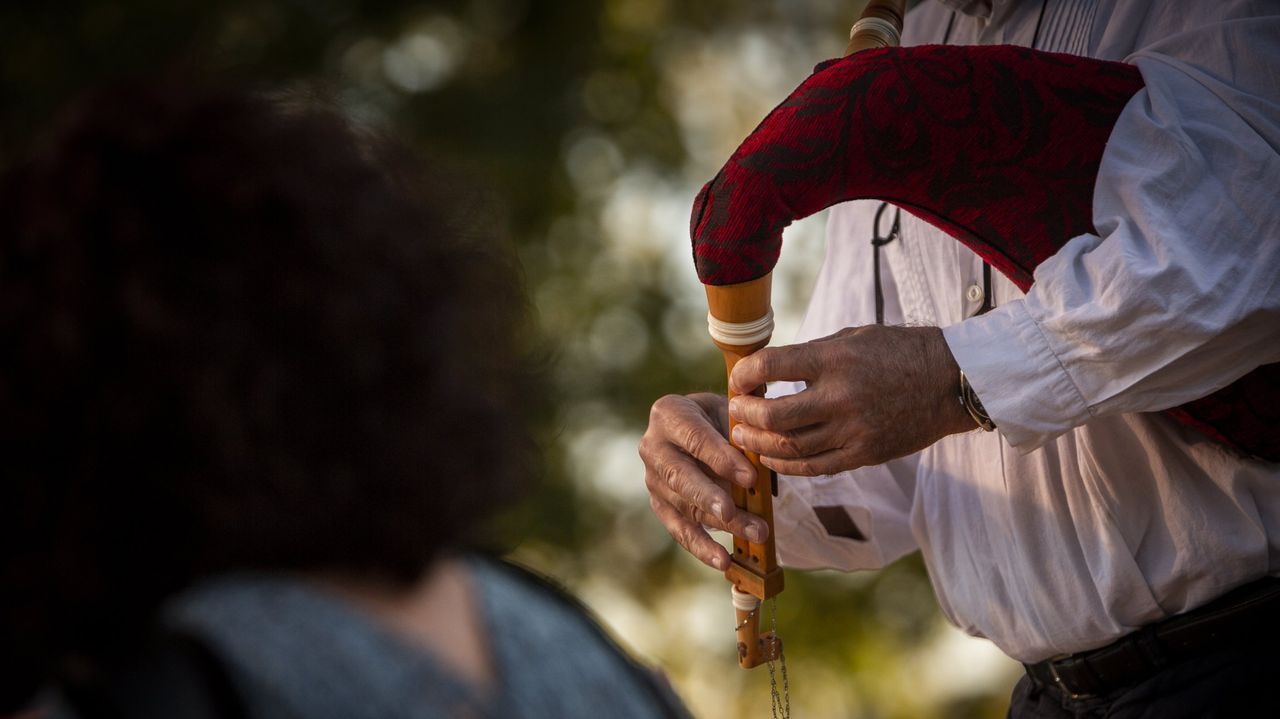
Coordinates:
(969,400)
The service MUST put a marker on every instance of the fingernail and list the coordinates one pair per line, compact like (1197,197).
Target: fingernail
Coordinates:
(754,534)
(733,407)
(737,436)
(717,508)
(746,477)
(720,563)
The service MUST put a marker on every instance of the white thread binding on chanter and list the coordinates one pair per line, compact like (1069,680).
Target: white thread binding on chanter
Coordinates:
(737,334)
(742,600)
(886,32)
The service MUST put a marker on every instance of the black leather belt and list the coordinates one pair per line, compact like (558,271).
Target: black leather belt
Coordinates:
(1245,612)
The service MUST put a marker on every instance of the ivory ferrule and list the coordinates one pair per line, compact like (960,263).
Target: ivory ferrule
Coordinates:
(740,316)
(876,30)
(879,26)
(740,334)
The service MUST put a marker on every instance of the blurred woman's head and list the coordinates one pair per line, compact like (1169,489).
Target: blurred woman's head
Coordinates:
(237,333)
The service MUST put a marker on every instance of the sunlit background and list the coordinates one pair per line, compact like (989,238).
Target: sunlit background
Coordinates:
(593,124)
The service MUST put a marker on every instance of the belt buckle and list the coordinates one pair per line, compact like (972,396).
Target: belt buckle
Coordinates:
(1057,679)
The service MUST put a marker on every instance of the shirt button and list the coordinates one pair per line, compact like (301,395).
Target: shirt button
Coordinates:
(974,293)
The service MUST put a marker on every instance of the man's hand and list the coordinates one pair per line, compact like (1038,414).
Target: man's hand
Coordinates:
(688,467)
(872,394)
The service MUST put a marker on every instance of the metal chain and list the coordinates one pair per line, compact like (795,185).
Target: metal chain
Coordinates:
(777,701)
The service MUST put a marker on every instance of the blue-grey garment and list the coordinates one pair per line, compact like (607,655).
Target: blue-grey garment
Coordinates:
(296,651)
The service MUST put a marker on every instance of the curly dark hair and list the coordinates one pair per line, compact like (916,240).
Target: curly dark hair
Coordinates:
(238,333)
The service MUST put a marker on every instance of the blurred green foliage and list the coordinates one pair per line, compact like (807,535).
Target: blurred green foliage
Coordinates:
(593,123)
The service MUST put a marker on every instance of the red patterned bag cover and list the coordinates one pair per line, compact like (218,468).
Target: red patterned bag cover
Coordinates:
(998,146)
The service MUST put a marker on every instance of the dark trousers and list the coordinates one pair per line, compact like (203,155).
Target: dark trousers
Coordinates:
(1239,681)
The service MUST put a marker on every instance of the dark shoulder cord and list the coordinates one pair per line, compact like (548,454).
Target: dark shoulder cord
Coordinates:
(878,241)
(988,302)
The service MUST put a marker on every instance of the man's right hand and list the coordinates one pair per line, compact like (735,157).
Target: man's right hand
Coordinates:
(689,466)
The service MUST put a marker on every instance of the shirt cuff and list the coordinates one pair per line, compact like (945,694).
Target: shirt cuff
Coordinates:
(1020,381)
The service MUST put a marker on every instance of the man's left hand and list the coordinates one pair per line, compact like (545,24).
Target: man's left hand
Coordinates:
(872,394)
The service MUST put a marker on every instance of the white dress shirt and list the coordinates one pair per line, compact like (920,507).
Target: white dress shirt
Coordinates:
(1084,516)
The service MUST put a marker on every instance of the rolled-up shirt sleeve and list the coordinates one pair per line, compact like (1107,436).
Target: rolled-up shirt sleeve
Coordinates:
(1178,293)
